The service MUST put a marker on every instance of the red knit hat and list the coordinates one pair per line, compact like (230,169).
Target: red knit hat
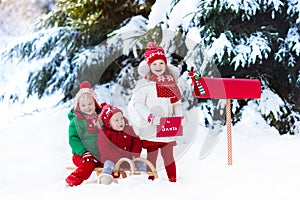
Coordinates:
(107,112)
(154,52)
(85,88)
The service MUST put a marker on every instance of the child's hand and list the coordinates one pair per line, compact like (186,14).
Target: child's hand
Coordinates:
(154,120)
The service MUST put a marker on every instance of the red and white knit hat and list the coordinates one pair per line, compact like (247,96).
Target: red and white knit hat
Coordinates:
(107,112)
(154,52)
(85,88)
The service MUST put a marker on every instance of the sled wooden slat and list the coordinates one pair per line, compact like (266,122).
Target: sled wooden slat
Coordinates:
(149,164)
(118,164)
(132,170)
(98,170)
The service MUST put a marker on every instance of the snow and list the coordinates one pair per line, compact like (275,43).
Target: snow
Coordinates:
(35,152)
(270,102)
(249,6)
(293,40)
(219,46)
(294,8)
(178,18)
(158,13)
(35,149)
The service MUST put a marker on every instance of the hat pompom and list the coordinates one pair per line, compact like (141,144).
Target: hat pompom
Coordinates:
(151,45)
(85,84)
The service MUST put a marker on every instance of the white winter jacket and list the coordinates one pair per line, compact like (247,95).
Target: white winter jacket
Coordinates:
(144,102)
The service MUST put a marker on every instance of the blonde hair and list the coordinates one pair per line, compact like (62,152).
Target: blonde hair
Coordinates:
(84,97)
(167,72)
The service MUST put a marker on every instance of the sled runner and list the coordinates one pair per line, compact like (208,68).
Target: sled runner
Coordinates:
(97,170)
(123,172)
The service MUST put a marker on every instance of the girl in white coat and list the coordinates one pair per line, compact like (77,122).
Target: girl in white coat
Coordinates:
(155,96)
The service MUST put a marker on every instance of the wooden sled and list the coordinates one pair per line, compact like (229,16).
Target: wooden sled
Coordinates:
(133,170)
(123,172)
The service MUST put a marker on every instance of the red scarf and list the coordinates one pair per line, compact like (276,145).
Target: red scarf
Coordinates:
(91,120)
(166,87)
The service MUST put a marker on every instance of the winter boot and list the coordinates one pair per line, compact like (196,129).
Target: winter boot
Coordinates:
(105,179)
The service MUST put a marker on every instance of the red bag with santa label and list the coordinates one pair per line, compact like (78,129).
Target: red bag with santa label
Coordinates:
(169,127)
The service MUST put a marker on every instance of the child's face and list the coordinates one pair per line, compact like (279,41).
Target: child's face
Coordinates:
(158,67)
(117,122)
(87,104)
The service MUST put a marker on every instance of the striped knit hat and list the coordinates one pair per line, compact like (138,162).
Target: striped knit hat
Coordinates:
(154,52)
(107,112)
(85,88)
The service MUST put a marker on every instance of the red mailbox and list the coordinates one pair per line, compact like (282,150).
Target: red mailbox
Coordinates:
(225,88)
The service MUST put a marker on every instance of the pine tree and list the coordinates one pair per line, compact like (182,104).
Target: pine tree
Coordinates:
(248,39)
(65,34)
(257,39)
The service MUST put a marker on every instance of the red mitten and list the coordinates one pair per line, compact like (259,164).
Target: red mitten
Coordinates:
(154,120)
(87,156)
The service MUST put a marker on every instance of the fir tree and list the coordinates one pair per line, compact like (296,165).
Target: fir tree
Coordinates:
(248,39)
(260,39)
(65,33)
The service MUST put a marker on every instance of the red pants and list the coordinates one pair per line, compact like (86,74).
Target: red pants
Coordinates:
(166,150)
(83,171)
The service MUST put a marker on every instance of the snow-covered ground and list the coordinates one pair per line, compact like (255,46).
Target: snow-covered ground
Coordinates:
(34,153)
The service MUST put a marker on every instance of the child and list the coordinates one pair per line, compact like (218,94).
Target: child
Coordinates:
(83,134)
(151,100)
(116,140)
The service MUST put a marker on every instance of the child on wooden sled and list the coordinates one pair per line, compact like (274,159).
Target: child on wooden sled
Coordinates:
(83,134)
(116,140)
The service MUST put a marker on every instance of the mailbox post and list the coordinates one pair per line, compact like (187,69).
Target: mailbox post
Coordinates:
(226,88)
